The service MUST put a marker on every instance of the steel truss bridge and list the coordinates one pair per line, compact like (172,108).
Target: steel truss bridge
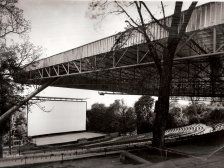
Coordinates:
(198,64)
(44,98)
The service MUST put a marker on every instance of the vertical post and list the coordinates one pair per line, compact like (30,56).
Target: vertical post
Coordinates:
(1,144)
(120,80)
(96,79)
(214,40)
(189,89)
(29,74)
(25,160)
(113,59)
(95,61)
(68,68)
(80,65)
(10,136)
(27,113)
(42,72)
(137,54)
(105,151)
(49,71)
(134,80)
(62,157)
(19,149)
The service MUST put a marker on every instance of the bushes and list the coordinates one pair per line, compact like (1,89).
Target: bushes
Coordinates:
(176,117)
(144,114)
(216,115)
(206,114)
(120,118)
(115,118)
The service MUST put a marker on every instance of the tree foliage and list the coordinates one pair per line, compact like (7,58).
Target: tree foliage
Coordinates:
(215,116)
(20,126)
(11,19)
(194,113)
(12,60)
(205,113)
(115,118)
(176,116)
(13,57)
(144,114)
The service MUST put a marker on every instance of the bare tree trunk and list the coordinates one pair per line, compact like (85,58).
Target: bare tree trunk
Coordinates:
(10,136)
(1,145)
(162,107)
(165,74)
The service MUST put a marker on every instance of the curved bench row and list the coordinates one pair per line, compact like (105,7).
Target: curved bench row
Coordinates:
(180,132)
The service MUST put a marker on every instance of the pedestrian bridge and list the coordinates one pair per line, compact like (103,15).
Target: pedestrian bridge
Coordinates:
(198,63)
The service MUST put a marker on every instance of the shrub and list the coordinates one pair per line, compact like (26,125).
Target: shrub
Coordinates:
(216,115)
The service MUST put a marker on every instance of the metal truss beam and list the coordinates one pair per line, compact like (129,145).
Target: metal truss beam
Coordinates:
(44,98)
(198,99)
(66,71)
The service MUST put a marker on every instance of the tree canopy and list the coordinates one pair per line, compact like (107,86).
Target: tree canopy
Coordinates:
(13,57)
(115,118)
(144,114)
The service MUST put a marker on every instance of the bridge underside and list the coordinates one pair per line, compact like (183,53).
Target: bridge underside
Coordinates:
(198,68)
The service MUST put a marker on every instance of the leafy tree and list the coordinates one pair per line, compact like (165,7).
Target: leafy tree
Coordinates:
(12,20)
(175,33)
(96,117)
(199,112)
(176,116)
(125,117)
(130,122)
(144,114)
(102,118)
(112,117)
(211,113)
(196,112)
(20,126)
(215,116)
(12,58)
(115,118)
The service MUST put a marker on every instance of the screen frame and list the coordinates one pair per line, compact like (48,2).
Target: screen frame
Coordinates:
(57,133)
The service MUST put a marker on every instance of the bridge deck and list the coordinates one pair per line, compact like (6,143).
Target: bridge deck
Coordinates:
(204,16)
(198,68)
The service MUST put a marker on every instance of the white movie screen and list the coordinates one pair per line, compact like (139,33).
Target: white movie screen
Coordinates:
(51,117)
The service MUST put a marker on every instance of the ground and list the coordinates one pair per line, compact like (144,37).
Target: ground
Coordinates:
(189,148)
(102,162)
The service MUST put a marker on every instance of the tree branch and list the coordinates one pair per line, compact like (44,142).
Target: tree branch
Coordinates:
(140,15)
(126,13)
(187,18)
(164,16)
(150,45)
(163,10)
(153,17)
(15,23)
(134,28)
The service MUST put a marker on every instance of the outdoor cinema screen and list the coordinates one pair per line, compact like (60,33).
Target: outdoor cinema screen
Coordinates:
(52,117)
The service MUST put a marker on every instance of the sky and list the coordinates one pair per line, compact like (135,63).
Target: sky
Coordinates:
(60,25)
